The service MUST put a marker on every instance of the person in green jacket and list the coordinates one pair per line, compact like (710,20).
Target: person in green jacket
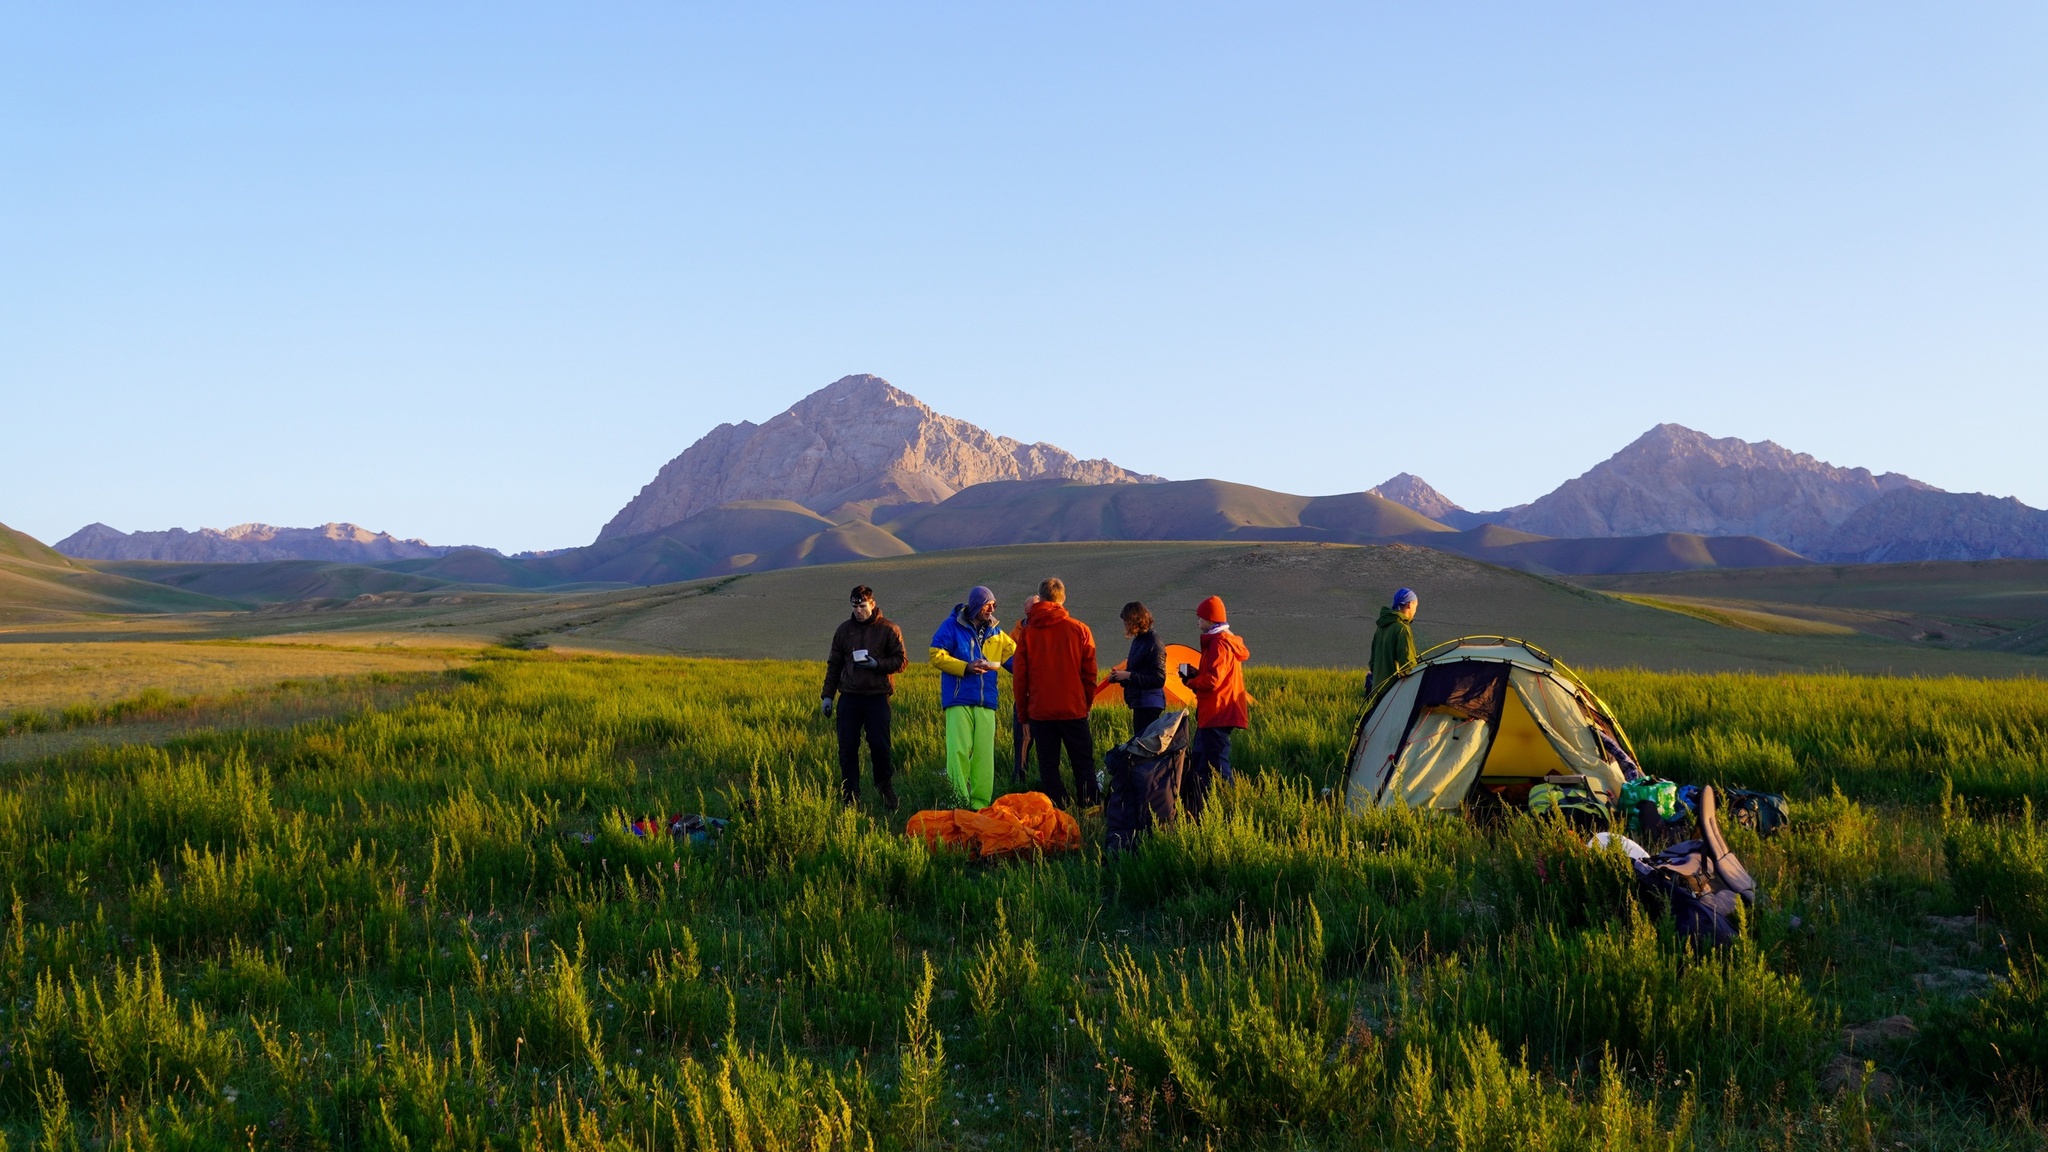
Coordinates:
(1393,642)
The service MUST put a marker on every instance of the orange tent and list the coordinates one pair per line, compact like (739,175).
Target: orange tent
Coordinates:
(1178,695)
(1019,822)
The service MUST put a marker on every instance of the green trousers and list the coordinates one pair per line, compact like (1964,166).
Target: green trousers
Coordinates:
(971,754)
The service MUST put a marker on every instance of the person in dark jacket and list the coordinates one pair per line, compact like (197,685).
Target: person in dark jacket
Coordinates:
(1393,641)
(1053,674)
(1144,672)
(867,652)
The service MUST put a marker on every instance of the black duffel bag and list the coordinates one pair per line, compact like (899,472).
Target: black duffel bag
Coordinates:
(1143,778)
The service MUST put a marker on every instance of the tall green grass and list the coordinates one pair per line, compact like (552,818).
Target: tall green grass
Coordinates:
(1875,738)
(426,926)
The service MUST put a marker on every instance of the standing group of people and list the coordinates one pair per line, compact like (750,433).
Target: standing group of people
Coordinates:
(1050,656)
(1051,659)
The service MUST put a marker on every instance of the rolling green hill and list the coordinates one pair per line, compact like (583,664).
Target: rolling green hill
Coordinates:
(1663,552)
(754,535)
(273,582)
(38,584)
(1300,604)
(1999,605)
(1051,511)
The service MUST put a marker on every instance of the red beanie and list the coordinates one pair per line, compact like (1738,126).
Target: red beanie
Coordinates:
(1212,610)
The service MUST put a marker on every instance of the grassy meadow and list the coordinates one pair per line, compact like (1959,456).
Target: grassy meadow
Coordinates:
(421,924)
(50,678)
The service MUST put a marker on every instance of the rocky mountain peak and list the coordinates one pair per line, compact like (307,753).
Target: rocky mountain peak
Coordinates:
(1412,491)
(1676,479)
(853,445)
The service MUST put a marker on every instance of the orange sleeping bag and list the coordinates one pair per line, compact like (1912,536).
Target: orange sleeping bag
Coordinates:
(1019,822)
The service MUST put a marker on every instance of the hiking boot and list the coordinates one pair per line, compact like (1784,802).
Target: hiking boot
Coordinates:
(889,799)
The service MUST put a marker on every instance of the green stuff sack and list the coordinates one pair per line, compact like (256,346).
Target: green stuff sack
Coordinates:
(1662,793)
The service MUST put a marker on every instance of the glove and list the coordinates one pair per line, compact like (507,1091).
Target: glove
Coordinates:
(825,707)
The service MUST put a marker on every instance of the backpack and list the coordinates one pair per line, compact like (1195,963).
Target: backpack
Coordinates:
(691,828)
(1700,882)
(1143,779)
(1763,813)
(1573,803)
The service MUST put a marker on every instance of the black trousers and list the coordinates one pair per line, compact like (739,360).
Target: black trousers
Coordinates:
(1079,741)
(1020,743)
(1142,718)
(860,715)
(1207,760)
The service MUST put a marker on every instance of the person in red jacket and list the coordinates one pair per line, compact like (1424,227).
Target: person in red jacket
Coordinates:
(1221,704)
(1053,677)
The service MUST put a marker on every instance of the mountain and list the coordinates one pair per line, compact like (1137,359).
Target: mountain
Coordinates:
(855,445)
(1927,524)
(1673,479)
(246,544)
(762,535)
(1411,491)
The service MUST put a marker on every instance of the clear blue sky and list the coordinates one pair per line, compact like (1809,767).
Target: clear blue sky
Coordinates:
(474,273)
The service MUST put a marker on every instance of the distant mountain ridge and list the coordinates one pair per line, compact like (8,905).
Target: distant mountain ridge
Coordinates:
(1929,524)
(247,544)
(1675,480)
(862,469)
(855,445)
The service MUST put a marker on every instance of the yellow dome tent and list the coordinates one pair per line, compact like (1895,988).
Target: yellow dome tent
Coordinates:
(1481,714)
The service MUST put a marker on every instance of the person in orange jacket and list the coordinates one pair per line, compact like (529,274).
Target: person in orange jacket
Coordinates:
(1052,676)
(1222,706)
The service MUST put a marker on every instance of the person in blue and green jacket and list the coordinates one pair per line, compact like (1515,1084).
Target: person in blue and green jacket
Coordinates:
(967,650)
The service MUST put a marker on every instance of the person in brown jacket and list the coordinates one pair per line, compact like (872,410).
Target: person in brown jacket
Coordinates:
(1053,674)
(867,652)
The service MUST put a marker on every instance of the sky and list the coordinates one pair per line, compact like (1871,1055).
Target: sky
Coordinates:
(473,273)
